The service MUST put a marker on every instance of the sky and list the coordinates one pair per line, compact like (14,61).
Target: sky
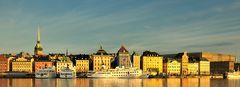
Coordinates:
(81,26)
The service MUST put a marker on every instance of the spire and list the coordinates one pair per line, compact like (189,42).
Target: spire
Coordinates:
(38,33)
(101,47)
(66,52)
(38,48)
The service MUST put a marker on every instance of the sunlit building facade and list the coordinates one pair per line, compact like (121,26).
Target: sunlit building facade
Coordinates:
(152,62)
(4,65)
(136,60)
(82,65)
(193,68)
(184,63)
(204,67)
(22,64)
(42,64)
(101,60)
(64,62)
(219,63)
(123,57)
(173,67)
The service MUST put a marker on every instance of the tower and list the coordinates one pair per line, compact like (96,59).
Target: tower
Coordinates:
(38,50)
(184,63)
(123,57)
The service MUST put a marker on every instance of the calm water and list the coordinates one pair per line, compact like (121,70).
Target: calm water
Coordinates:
(106,82)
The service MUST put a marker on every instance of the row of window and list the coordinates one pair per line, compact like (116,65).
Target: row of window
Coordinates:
(173,66)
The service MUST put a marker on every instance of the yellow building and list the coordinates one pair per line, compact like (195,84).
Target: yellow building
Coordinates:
(152,62)
(204,67)
(184,63)
(82,65)
(193,68)
(173,67)
(65,62)
(136,60)
(22,64)
(101,60)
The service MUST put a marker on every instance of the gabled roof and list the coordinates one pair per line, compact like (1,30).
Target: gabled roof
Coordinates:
(123,50)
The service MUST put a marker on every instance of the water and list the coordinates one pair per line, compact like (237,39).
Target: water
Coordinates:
(114,82)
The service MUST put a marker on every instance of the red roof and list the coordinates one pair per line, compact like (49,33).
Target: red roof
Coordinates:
(122,49)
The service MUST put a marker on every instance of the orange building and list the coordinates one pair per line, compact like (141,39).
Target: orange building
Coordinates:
(3,63)
(40,64)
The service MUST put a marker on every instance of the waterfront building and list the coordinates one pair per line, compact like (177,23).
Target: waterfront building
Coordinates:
(224,62)
(64,62)
(4,64)
(38,50)
(101,60)
(151,62)
(184,63)
(219,63)
(123,57)
(82,64)
(173,67)
(136,60)
(192,68)
(22,64)
(41,64)
(204,67)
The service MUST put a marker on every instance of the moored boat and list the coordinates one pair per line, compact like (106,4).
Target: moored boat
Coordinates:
(231,75)
(67,73)
(118,73)
(46,72)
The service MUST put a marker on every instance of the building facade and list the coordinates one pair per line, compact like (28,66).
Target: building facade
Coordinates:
(22,64)
(123,57)
(41,64)
(152,61)
(224,62)
(173,67)
(82,65)
(184,63)
(193,68)
(65,62)
(204,67)
(101,60)
(136,60)
(4,65)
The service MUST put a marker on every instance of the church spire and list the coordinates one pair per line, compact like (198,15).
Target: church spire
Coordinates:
(38,50)
(38,34)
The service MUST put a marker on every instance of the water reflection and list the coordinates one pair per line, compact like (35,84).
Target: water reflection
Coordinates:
(114,82)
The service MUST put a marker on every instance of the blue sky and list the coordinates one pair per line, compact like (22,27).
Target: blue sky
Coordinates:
(164,26)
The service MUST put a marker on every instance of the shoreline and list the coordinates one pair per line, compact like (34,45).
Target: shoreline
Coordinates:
(32,75)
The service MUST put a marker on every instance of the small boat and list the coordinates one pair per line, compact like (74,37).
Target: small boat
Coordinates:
(46,72)
(233,75)
(67,73)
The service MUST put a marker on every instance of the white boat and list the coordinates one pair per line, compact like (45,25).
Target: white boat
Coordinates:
(233,75)
(67,73)
(46,72)
(118,73)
